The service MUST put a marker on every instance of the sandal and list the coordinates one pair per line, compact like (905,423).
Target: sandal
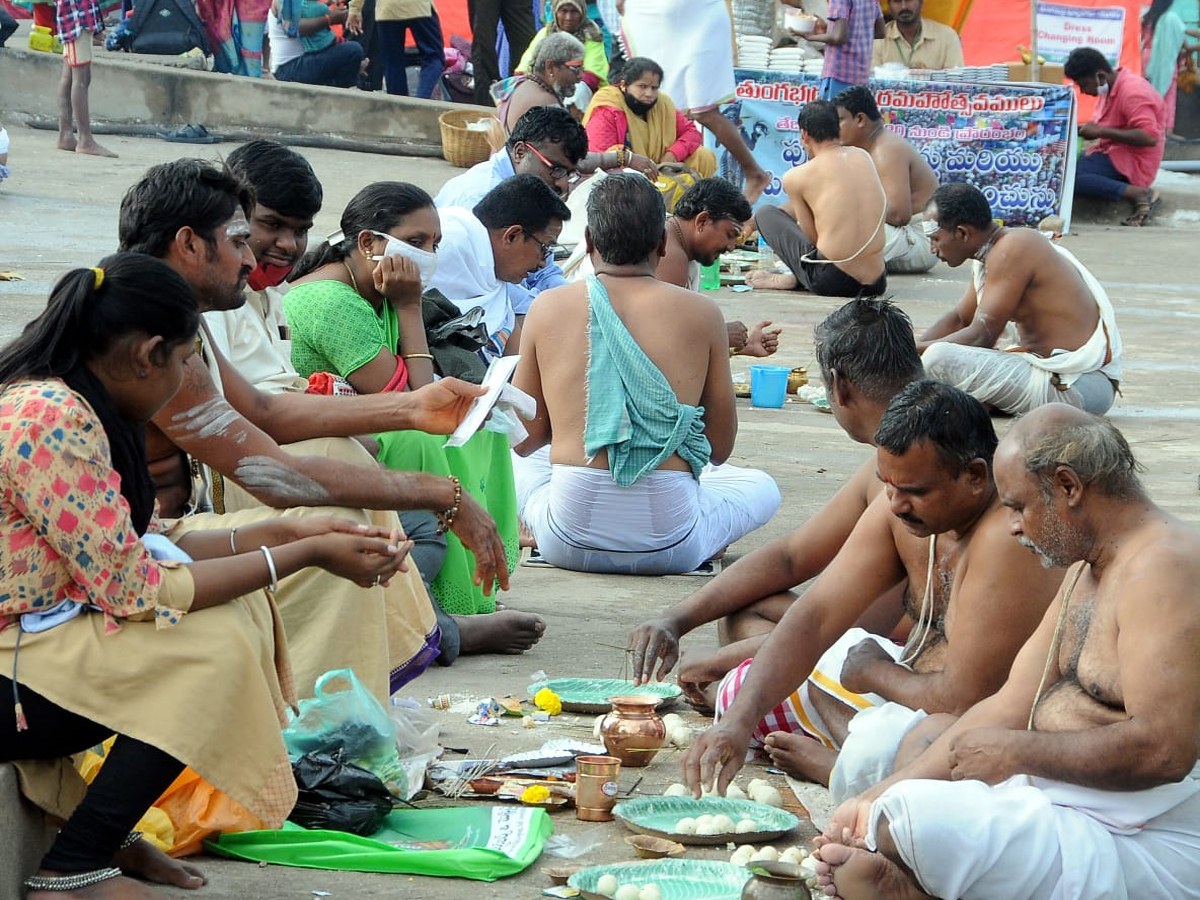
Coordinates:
(1143,212)
(65,883)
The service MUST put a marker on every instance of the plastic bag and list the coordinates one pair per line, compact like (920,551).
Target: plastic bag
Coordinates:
(337,795)
(155,826)
(350,720)
(198,811)
(417,744)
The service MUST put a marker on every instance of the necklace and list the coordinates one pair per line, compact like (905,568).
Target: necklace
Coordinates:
(982,253)
(353,280)
(545,86)
(875,134)
(678,233)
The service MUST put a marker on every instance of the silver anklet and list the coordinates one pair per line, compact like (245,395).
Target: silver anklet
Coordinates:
(70,882)
(130,839)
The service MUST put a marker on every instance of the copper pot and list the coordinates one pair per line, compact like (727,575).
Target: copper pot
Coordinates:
(633,732)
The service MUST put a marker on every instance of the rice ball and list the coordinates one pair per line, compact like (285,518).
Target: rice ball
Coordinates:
(677,790)
(742,855)
(686,825)
(723,824)
(650,892)
(766,854)
(672,721)
(746,826)
(606,885)
(733,792)
(628,892)
(681,737)
(792,855)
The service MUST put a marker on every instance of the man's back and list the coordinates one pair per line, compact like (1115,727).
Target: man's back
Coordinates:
(908,180)
(670,325)
(839,200)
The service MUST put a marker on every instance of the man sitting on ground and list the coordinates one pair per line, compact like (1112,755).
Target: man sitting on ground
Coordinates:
(633,114)
(510,233)
(1079,778)
(1130,133)
(631,378)
(867,354)
(908,180)
(555,73)
(1068,347)
(939,525)
(831,237)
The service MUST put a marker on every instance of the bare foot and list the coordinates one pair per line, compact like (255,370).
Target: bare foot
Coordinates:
(525,537)
(755,185)
(146,861)
(761,280)
(800,756)
(507,631)
(120,888)
(91,148)
(849,873)
(700,697)
(66,142)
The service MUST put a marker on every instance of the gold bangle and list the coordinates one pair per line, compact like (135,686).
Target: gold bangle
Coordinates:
(733,352)
(428,356)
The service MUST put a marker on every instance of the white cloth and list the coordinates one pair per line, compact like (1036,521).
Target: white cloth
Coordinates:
(466,273)
(868,755)
(667,523)
(252,338)
(1045,840)
(471,186)
(693,42)
(283,48)
(906,248)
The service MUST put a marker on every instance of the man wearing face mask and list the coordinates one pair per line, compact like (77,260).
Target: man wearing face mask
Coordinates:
(1129,130)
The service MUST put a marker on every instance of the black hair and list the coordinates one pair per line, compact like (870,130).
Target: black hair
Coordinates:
(523,200)
(637,67)
(377,207)
(961,204)
(190,193)
(554,125)
(819,121)
(858,99)
(717,197)
(869,341)
(955,423)
(1085,61)
(626,218)
(1154,13)
(282,179)
(138,294)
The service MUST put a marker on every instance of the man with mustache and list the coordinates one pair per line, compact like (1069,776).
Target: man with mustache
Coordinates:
(814,688)
(1078,778)
(915,42)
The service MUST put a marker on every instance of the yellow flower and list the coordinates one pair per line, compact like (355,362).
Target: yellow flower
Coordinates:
(535,793)
(547,701)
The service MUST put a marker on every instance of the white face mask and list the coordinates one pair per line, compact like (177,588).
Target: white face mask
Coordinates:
(425,261)
(1102,89)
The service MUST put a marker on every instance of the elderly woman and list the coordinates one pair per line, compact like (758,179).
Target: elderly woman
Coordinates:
(557,67)
(570,17)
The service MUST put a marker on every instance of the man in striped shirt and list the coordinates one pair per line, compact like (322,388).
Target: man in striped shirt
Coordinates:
(848,33)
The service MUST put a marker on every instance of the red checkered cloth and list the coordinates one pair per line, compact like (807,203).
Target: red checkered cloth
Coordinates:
(73,17)
(851,62)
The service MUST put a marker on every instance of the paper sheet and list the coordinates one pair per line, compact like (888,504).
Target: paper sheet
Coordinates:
(494,379)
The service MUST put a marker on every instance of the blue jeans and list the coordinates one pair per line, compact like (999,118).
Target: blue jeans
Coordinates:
(831,87)
(427,33)
(335,66)
(1096,176)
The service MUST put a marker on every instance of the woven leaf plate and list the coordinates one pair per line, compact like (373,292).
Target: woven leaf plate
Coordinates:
(677,879)
(659,815)
(590,695)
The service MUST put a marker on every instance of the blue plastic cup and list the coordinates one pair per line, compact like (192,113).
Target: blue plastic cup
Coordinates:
(768,386)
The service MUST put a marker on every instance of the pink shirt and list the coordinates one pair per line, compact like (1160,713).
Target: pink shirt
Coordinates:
(1132,103)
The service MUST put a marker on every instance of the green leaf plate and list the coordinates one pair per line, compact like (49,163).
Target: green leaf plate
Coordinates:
(658,816)
(677,879)
(590,695)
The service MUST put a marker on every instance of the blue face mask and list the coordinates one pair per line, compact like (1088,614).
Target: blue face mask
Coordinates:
(425,261)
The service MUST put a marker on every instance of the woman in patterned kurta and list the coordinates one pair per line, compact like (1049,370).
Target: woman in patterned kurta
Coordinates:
(108,628)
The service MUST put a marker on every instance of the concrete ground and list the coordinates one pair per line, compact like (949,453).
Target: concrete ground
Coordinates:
(60,211)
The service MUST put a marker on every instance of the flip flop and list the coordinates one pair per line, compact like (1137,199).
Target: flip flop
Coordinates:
(1143,212)
(190,134)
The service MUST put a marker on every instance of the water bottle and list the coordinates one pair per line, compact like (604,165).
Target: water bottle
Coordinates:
(710,277)
(766,256)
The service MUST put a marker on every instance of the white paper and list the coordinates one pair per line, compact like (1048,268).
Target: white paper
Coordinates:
(497,375)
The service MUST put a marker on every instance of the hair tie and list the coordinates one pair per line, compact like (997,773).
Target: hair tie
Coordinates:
(335,238)
(99,273)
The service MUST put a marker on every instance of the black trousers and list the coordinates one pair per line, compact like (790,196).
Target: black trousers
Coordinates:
(788,240)
(486,16)
(7,26)
(134,775)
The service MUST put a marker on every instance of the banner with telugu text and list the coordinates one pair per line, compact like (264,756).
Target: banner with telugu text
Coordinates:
(1016,143)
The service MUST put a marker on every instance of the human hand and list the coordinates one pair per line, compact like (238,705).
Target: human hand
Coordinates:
(668,158)
(763,340)
(354,23)
(643,164)
(651,642)
(698,670)
(737,335)
(715,757)
(365,560)
(981,754)
(861,657)
(439,407)
(398,279)
(1089,131)
(477,531)
(301,527)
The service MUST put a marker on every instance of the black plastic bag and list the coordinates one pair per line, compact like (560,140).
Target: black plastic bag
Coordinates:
(337,795)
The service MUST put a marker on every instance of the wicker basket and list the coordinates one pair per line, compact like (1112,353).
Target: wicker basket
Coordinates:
(460,145)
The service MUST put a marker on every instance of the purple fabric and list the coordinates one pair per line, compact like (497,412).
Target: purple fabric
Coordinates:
(851,62)
(420,661)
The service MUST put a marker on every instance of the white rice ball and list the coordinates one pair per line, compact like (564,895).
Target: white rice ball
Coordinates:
(704,820)
(708,828)
(755,784)
(766,854)
(733,792)
(742,855)
(606,885)
(792,855)
(681,737)
(686,825)
(677,790)
(650,892)
(673,721)
(723,824)
(628,892)
(809,864)
(746,826)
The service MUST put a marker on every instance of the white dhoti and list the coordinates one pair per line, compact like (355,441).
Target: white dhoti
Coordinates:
(906,248)
(1045,840)
(693,42)
(667,523)
(868,755)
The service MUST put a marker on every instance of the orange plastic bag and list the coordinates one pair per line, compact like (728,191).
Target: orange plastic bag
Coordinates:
(198,811)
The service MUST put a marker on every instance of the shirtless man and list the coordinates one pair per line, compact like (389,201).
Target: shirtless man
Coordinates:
(1078,779)
(631,378)
(178,213)
(831,237)
(1068,345)
(975,596)
(908,181)
(867,355)
(553,77)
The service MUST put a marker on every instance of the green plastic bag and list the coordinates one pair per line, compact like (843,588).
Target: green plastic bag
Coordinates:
(479,842)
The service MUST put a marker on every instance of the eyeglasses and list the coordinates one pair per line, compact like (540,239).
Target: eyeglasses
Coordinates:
(549,250)
(557,172)
(577,69)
